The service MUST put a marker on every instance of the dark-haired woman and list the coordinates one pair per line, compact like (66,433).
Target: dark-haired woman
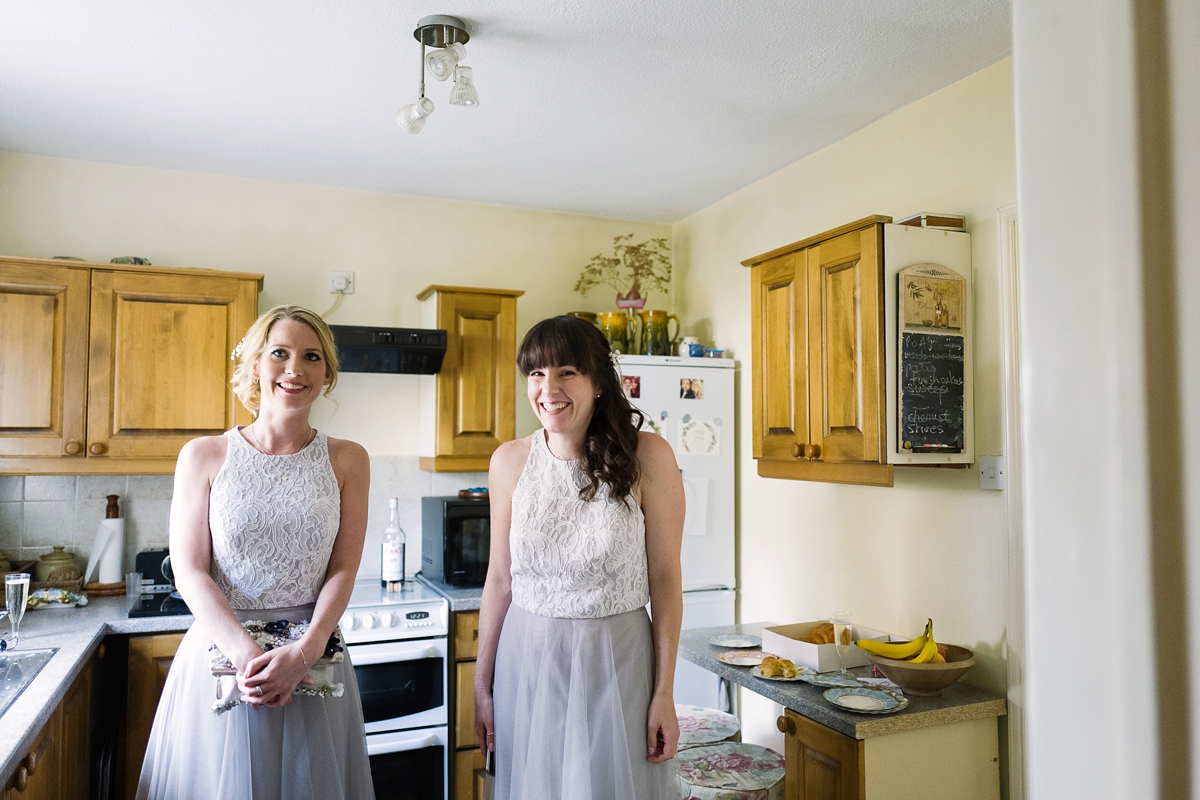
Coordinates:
(573,683)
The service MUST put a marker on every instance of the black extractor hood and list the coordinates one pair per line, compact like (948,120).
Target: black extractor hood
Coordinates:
(412,351)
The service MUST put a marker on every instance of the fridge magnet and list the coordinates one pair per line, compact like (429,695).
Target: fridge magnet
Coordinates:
(699,437)
(691,388)
(632,384)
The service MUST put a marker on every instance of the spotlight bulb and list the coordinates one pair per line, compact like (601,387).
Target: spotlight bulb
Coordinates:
(441,63)
(412,116)
(464,92)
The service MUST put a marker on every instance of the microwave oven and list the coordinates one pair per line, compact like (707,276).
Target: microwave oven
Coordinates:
(455,539)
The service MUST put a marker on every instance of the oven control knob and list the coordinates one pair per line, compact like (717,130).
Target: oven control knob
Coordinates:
(387,619)
(349,622)
(368,620)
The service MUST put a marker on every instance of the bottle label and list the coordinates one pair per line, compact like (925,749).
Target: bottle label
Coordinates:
(393,562)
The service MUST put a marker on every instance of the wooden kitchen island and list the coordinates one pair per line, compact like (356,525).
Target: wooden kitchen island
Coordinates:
(938,747)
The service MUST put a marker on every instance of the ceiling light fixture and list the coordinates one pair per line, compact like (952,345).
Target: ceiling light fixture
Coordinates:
(448,34)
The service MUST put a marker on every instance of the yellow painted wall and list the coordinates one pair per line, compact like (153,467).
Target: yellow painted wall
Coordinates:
(295,234)
(934,545)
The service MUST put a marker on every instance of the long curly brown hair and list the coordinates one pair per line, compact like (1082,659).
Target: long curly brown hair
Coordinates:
(610,450)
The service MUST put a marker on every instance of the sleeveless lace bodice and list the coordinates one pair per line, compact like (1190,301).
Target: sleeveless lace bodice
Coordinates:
(570,558)
(273,521)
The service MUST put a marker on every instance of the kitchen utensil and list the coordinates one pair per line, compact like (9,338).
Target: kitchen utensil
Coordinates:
(864,700)
(742,658)
(739,640)
(926,680)
(841,638)
(656,332)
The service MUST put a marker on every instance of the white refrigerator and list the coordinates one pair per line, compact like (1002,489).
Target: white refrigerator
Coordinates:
(689,401)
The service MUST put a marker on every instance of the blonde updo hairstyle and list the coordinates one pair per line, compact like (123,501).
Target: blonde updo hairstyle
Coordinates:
(247,353)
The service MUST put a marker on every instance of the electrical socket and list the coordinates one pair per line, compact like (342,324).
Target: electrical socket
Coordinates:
(341,282)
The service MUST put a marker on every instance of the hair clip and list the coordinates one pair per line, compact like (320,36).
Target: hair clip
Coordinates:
(615,357)
(237,351)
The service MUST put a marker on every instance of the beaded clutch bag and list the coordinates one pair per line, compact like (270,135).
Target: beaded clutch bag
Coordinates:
(268,636)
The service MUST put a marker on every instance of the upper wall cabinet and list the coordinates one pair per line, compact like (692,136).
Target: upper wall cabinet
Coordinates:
(467,409)
(108,369)
(817,321)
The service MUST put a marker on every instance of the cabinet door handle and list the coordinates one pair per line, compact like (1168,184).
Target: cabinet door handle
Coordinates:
(97,448)
(73,448)
(786,725)
(812,451)
(797,449)
(21,781)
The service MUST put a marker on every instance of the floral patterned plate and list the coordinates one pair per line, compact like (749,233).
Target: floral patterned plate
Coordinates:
(863,700)
(830,680)
(735,640)
(742,658)
(757,672)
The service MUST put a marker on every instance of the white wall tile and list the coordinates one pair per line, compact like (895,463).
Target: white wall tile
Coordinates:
(49,487)
(95,488)
(12,488)
(11,515)
(48,522)
(151,487)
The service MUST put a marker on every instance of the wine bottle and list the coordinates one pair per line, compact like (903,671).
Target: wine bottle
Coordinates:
(392,564)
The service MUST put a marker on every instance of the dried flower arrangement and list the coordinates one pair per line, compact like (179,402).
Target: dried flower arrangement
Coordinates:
(635,267)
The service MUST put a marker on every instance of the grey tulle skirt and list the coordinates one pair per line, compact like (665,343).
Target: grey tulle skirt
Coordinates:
(311,748)
(571,698)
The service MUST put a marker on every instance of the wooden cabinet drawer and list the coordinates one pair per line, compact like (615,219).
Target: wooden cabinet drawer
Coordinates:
(466,635)
(468,775)
(464,711)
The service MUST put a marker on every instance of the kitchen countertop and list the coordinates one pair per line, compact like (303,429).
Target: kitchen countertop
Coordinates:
(462,598)
(958,703)
(77,633)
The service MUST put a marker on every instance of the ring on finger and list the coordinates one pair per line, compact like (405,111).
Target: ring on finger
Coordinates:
(258,690)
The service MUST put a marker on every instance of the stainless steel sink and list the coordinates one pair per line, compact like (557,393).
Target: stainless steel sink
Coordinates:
(18,668)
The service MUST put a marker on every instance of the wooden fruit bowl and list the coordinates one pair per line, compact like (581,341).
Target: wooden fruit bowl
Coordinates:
(926,680)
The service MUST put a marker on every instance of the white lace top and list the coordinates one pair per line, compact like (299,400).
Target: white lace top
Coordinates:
(273,521)
(572,559)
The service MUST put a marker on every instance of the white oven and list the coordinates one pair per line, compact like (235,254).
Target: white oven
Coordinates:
(397,643)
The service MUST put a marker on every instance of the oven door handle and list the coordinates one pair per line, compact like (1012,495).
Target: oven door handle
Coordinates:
(393,651)
(400,742)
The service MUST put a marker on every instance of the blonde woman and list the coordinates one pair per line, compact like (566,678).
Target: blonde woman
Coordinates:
(267,524)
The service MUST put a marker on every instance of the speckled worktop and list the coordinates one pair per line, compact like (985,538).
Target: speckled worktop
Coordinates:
(958,703)
(462,598)
(76,632)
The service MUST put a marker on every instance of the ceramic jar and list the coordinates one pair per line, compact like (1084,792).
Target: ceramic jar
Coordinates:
(57,567)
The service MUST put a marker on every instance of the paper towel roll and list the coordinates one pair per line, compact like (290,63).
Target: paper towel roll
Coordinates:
(110,541)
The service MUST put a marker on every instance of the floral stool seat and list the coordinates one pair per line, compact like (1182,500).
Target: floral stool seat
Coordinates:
(700,726)
(730,771)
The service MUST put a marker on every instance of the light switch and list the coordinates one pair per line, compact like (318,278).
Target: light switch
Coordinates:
(991,472)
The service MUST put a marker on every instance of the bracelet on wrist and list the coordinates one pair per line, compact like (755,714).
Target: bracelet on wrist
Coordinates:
(303,660)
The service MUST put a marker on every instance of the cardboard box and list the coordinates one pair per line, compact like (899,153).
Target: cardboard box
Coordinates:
(784,641)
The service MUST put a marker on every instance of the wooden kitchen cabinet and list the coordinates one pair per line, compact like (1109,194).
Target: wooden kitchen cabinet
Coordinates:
(467,772)
(112,369)
(821,764)
(468,408)
(58,762)
(150,660)
(818,378)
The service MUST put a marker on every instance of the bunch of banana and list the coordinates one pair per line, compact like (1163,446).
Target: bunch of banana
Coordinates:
(922,650)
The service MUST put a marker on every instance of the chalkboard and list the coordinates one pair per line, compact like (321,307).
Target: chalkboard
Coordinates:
(931,393)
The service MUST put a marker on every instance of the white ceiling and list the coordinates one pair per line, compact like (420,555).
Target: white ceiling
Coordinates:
(636,110)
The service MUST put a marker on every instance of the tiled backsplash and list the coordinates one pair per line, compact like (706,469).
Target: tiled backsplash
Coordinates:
(37,512)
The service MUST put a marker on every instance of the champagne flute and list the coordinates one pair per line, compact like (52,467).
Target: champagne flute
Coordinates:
(16,593)
(841,637)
